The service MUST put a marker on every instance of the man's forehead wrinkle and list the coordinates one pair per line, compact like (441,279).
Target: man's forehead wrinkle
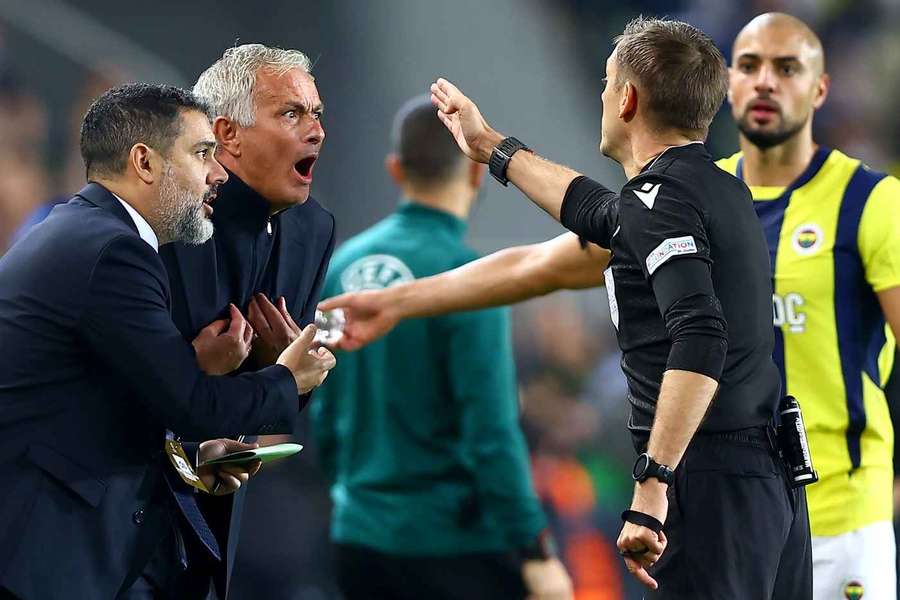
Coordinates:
(292,92)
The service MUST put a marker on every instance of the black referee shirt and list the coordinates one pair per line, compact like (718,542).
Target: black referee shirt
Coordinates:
(689,263)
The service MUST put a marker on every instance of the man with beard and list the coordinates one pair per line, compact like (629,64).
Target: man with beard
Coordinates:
(272,243)
(833,231)
(833,227)
(96,382)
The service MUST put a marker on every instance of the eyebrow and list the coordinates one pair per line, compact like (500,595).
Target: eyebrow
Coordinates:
(304,108)
(752,56)
(205,145)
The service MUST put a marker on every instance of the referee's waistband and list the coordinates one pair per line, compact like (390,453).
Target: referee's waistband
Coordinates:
(759,436)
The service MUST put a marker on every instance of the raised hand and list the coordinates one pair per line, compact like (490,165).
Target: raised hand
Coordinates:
(309,366)
(223,345)
(461,116)
(369,315)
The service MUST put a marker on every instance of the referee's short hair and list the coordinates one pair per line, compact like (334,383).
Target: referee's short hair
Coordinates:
(131,114)
(677,68)
(427,151)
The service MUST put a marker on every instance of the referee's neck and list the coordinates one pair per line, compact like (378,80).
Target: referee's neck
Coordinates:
(646,147)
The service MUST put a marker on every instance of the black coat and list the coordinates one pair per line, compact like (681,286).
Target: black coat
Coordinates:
(285,255)
(92,373)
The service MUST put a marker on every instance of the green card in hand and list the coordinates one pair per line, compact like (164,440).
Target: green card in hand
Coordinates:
(264,454)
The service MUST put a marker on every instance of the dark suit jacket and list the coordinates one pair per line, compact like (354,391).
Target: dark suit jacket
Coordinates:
(243,258)
(92,373)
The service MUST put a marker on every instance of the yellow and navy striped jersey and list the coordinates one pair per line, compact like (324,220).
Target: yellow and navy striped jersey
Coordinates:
(834,242)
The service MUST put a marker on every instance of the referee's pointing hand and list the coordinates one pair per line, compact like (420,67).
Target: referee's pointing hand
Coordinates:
(640,546)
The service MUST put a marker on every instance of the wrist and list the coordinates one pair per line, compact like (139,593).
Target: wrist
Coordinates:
(489,141)
(646,468)
(650,498)
(651,486)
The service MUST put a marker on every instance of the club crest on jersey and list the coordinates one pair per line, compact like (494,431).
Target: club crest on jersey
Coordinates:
(807,239)
(853,590)
(375,272)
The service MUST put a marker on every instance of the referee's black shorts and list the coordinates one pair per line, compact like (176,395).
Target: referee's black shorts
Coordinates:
(735,530)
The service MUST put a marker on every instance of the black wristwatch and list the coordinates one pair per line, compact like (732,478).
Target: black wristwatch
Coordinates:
(542,548)
(501,155)
(645,468)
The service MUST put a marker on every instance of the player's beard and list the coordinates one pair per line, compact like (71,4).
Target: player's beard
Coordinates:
(769,139)
(181,213)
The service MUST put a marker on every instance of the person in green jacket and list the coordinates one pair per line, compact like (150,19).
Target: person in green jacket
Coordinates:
(418,432)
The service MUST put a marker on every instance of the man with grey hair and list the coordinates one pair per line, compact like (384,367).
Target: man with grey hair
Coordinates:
(96,383)
(272,243)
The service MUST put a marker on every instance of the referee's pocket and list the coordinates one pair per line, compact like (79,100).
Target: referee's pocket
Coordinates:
(731,458)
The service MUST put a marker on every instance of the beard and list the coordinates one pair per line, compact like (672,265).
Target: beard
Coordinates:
(768,139)
(181,212)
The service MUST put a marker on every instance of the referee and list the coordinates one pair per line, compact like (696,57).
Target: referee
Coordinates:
(690,296)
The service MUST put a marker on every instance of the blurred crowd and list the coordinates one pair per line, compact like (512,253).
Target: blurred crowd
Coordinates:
(572,390)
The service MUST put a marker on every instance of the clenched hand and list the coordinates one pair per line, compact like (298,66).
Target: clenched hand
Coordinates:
(223,345)
(274,327)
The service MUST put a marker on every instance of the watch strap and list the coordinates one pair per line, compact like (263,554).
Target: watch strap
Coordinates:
(662,473)
(500,157)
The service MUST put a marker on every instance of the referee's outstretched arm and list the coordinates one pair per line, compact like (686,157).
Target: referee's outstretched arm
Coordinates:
(544,182)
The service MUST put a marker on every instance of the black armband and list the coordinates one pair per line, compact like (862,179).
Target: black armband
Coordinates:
(693,317)
(701,354)
(699,335)
(590,210)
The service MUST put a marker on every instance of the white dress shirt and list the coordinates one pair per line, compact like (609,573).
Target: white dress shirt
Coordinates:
(143,227)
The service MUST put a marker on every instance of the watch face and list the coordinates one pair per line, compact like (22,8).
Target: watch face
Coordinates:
(640,466)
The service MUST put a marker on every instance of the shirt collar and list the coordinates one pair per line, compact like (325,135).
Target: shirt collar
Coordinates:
(413,209)
(143,227)
(239,204)
(696,144)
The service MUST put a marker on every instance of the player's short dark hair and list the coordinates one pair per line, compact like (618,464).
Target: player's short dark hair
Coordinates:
(130,114)
(428,153)
(679,70)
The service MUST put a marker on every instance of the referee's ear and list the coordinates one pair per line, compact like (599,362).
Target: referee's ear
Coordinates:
(628,101)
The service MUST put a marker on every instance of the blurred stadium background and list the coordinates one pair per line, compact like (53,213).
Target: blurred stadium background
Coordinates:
(535,67)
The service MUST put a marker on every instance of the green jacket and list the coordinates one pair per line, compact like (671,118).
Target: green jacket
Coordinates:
(419,430)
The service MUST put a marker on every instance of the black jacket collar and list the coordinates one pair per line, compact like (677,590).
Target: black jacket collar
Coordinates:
(99,196)
(239,204)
